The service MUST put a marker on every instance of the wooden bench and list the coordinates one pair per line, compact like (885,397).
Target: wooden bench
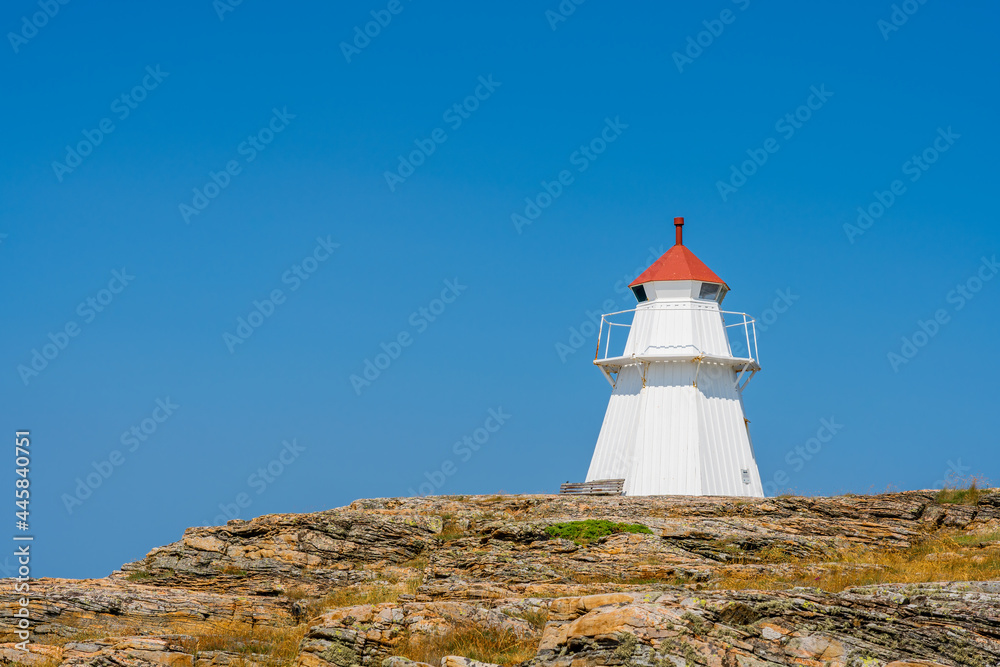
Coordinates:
(600,487)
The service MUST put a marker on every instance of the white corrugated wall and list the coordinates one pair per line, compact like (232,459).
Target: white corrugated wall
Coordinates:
(678,329)
(614,445)
(663,434)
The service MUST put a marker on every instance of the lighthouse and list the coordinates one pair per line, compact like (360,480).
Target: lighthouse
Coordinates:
(678,365)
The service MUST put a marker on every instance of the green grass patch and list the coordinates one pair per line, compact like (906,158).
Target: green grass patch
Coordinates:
(967,496)
(976,540)
(582,532)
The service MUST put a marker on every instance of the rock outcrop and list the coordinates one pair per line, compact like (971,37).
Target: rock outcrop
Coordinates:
(851,580)
(951,623)
(368,634)
(499,543)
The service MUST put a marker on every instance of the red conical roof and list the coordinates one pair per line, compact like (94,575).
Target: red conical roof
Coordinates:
(678,263)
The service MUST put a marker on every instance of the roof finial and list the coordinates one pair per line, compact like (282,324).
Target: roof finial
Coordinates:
(679,227)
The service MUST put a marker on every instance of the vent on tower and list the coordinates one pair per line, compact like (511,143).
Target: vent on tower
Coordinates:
(640,293)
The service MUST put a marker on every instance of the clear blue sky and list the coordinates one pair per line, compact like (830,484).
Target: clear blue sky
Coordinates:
(308,131)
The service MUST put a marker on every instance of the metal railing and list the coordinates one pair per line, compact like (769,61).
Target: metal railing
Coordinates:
(735,339)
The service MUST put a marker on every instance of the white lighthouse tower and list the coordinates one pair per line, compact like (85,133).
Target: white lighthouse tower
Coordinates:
(675,423)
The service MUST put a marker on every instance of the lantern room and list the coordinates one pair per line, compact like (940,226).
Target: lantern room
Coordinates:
(679,275)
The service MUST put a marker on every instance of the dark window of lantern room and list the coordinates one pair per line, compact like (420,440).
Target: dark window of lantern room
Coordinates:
(640,293)
(709,291)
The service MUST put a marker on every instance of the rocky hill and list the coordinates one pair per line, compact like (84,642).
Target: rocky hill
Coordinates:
(548,581)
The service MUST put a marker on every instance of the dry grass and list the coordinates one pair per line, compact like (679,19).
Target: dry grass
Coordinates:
(361,594)
(418,563)
(964,491)
(100,628)
(297,593)
(536,618)
(260,644)
(942,559)
(955,557)
(263,644)
(737,554)
(585,578)
(501,647)
(450,531)
(376,593)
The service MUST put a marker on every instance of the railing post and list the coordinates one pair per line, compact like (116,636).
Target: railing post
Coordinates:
(600,334)
(607,340)
(746,331)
